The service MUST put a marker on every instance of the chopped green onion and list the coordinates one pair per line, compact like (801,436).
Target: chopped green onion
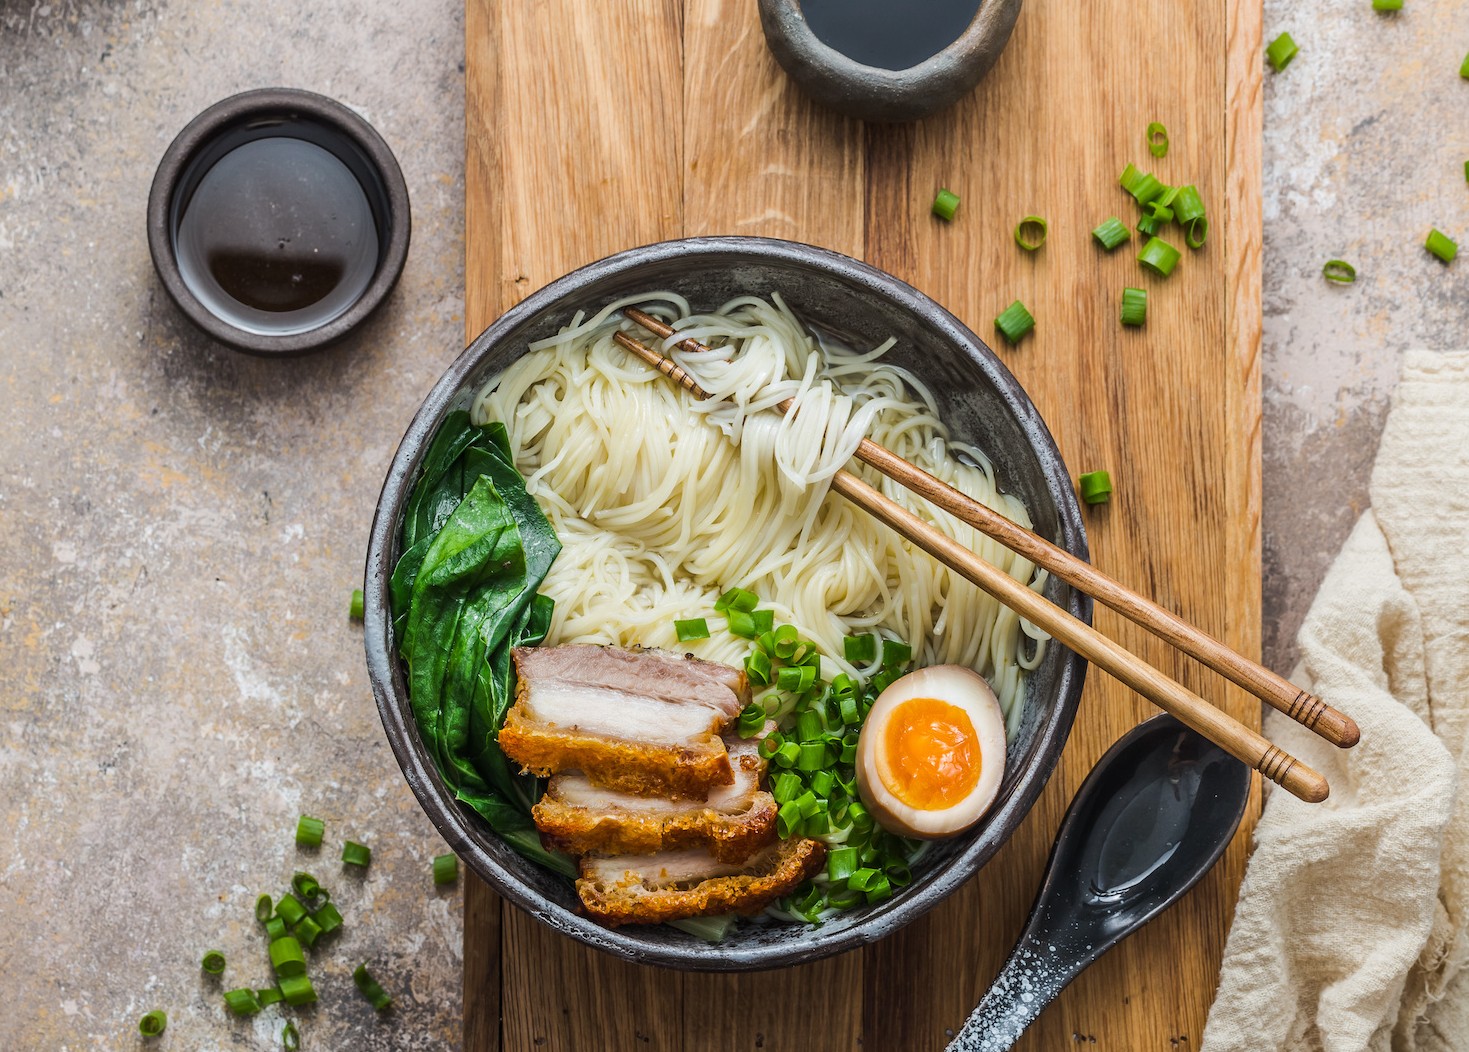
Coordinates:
(1146,187)
(880,889)
(764,620)
(286,957)
(860,650)
(354,611)
(693,628)
(1158,256)
(786,787)
(858,816)
(710,929)
(809,727)
(752,720)
(297,989)
(1188,205)
(1032,238)
(757,667)
(742,624)
(154,1023)
(1466,171)
(818,824)
(786,755)
(787,819)
(263,909)
(1440,244)
(1096,487)
(290,909)
(271,995)
(370,988)
(1148,225)
(1111,233)
(1160,212)
(213,962)
(821,783)
(807,804)
(242,1001)
(785,641)
(446,869)
(841,863)
(849,711)
(307,887)
(945,204)
(290,1037)
(1129,178)
(736,599)
(307,931)
(1280,52)
(328,918)
(812,756)
(1134,306)
(1197,232)
(275,928)
(308,831)
(1464,68)
(355,854)
(1157,140)
(1339,271)
(789,678)
(1015,321)
(895,653)
(1387,5)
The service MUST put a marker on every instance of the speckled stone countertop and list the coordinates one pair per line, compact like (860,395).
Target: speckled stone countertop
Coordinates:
(180,526)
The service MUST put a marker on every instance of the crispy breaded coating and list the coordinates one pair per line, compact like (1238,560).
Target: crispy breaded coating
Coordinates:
(650,889)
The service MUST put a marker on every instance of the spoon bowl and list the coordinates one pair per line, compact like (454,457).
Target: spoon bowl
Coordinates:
(1150,820)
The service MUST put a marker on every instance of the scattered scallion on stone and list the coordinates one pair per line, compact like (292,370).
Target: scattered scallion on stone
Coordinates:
(213,962)
(290,910)
(328,918)
(1339,271)
(154,1023)
(297,989)
(1014,322)
(1281,51)
(446,869)
(270,995)
(286,957)
(370,988)
(1440,244)
(945,204)
(355,854)
(290,1037)
(1387,5)
(354,610)
(308,831)
(242,1001)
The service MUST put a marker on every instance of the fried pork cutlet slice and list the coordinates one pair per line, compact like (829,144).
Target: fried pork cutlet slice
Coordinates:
(736,820)
(649,889)
(639,721)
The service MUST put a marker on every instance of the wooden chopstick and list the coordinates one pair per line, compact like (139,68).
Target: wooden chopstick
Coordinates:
(1305,708)
(1239,741)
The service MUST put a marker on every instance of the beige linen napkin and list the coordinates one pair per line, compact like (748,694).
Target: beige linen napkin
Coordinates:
(1352,929)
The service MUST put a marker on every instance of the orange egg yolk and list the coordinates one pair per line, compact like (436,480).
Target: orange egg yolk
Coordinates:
(933,756)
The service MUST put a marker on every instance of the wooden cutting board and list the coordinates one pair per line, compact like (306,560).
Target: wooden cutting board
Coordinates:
(594,127)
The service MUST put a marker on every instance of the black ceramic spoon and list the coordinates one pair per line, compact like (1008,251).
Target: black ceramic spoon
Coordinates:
(1152,817)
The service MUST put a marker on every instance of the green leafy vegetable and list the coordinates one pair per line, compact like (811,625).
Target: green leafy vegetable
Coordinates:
(476,546)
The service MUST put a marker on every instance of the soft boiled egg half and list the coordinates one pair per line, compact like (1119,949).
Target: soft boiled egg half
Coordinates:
(932,753)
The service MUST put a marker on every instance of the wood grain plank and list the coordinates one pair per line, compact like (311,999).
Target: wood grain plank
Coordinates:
(763,160)
(1145,405)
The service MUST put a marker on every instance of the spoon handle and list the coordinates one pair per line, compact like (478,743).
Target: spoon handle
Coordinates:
(1035,973)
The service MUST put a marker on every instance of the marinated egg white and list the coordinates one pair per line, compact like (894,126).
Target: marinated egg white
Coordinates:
(932,753)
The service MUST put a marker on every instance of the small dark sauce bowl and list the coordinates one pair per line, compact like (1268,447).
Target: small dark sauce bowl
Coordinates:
(260,114)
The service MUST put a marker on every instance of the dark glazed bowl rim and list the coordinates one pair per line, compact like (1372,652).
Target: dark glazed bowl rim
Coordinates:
(229,113)
(453,822)
(877,93)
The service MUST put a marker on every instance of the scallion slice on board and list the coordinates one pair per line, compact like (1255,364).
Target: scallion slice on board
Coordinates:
(1030,233)
(1134,306)
(1158,256)
(1440,244)
(1015,321)
(1197,232)
(945,204)
(1096,487)
(1281,51)
(1157,140)
(1111,232)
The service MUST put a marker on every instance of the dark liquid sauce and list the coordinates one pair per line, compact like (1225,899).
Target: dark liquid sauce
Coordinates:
(277,237)
(886,33)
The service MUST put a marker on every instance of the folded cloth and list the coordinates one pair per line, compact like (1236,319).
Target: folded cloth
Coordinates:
(1352,930)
